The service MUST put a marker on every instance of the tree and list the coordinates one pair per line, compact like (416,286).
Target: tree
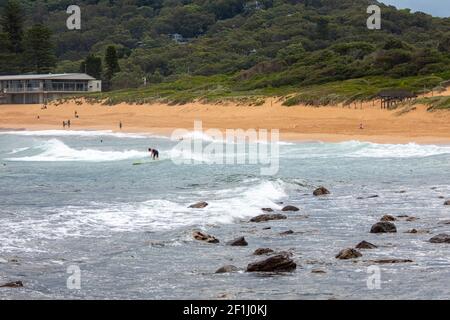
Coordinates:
(111,65)
(12,23)
(92,65)
(38,49)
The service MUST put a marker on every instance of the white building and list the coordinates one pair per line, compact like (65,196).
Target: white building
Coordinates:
(41,88)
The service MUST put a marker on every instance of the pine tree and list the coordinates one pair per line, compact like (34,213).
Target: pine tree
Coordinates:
(38,49)
(111,65)
(12,24)
(92,65)
(111,61)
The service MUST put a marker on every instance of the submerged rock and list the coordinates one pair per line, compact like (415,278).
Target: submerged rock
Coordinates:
(15,284)
(267,209)
(268,217)
(410,219)
(278,263)
(365,245)
(386,261)
(285,233)
(261,251)
(319,271)
(383,227)
(290,208)
(238,242)
(388,218)
(321,191)
(200,236)
(227,269)
(447,203)
(441,238)
(348,253)
(199,205)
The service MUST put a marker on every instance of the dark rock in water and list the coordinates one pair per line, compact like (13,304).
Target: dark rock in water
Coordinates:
(410,219)
(267,209)
(441,238)
(227,269)
(318,271)
(349,253)
(412,231)
(285,233)
(447,203)
(199,205)
(268,217)
(444,222)
(261,251)
(365,245)
(278,263)
(403,216)
(238,242)
(267,228)
(290,208)
(385,261)
(369,197)
(388,218)
(383,227)
(200,236)
(15,284)
(321,191)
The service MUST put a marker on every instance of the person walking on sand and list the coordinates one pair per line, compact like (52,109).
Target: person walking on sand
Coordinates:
(120,125)
(68,123)
(361,126)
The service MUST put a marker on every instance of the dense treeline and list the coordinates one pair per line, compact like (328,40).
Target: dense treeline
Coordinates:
(260,44)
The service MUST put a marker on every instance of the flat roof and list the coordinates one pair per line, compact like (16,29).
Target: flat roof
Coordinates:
(50,76)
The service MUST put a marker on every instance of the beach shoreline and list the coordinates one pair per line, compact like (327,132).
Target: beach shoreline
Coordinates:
(299,123)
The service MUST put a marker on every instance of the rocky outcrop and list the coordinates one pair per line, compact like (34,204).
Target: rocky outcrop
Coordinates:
(199,205)
(290,208)
(278,263)
(227,269)
(348,253)
(15,284)
(200,236)
(388,218)
(262,251)
(365,245)
(238,242)
(383,227)
(441,238)
(268,217)
(321,191)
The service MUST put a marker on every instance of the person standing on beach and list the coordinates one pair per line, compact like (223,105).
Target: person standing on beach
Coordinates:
(64,124)
(68,123)
(120,125)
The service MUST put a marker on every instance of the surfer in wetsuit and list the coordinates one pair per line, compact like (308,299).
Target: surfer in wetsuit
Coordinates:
(154,154)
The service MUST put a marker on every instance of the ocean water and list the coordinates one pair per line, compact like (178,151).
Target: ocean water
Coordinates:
(74,198)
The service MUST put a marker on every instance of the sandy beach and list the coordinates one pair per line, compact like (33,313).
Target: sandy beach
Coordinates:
(331,123)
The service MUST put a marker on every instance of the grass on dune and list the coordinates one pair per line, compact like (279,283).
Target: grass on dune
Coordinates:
(222,88)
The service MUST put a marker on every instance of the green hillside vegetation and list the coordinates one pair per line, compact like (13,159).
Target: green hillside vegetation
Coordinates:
(310,51)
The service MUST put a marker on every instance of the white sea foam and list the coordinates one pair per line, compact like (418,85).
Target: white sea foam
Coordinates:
(100,219)
(55,150)
(358,149)
(82,133)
